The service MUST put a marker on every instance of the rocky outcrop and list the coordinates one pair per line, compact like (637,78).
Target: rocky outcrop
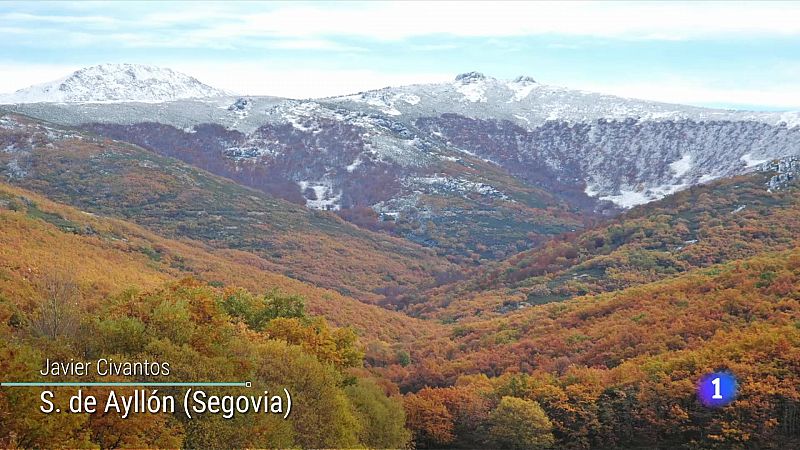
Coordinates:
(786,171)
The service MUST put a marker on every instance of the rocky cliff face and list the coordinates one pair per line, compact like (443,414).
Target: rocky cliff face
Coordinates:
(785,171)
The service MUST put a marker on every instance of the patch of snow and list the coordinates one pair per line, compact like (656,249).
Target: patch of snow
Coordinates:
(9,123)
(749,161)
(411,99)
(521,87)
(528,121)
(384,105)
(628,198)
(459,185)
(707,177)
(15,171)
(297,123)
(324,198)
(302,115)
(473,90)
(682,166)
(354,165)
(463,150)
(791,119)
(384,100)
(257,150)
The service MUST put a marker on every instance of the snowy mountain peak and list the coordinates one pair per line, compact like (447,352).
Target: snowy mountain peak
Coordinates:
(470,77)
(116,83)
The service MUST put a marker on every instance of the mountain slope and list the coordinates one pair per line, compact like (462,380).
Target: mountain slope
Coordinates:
(530,104)
(598,147)
(621,150)
(115,83)
(404,184)
(620,370)
(76,286)
(515,160)
(721,221)
(106,255)
(177,200)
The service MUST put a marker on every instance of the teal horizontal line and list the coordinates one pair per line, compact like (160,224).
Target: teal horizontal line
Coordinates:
(119,383)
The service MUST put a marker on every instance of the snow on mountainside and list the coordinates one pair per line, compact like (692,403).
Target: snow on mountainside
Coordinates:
(622,150)
(374,148)
(530,104)
(115,83)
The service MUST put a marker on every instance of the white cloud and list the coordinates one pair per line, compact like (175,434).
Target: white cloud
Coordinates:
(400,20)
(103,21)
(311,44)
(223,24)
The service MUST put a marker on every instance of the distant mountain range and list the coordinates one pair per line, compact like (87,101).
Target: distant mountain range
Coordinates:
(115,83)
(477,166)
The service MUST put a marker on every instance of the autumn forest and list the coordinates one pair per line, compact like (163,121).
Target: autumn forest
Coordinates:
(593,336)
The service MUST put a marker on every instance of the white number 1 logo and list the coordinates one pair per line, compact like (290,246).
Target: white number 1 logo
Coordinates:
(716,383)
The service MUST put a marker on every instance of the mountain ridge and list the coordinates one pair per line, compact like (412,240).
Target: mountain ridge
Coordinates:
(447,164)
(115,83)
(521,87)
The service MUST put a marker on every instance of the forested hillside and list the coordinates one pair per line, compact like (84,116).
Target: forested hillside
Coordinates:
(709,224)
(77,285)
(206,334)
(704,280)
(619,369)
(176,200)
(104,256)
(593,339)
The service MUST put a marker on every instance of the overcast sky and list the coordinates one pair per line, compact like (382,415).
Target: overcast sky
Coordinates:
(742,55)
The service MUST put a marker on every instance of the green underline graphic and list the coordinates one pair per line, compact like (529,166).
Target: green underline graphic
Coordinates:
(121,383)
